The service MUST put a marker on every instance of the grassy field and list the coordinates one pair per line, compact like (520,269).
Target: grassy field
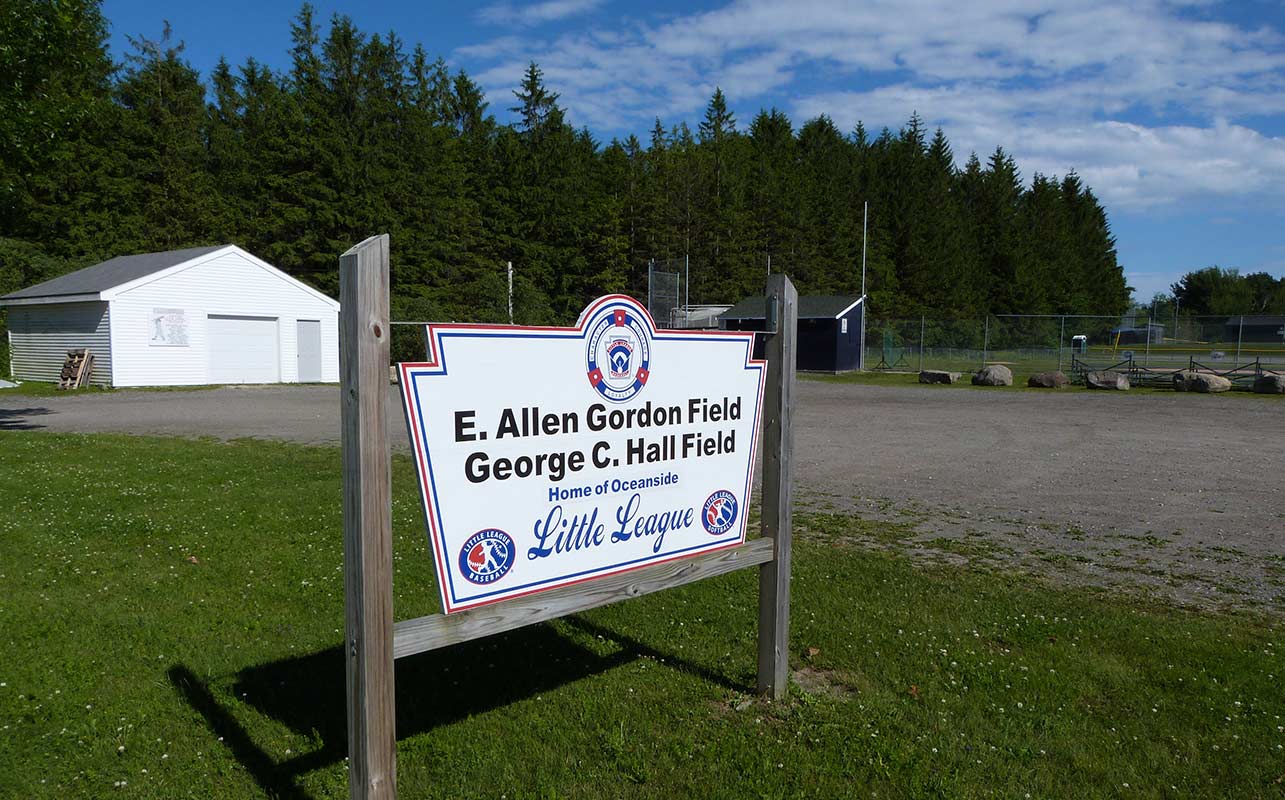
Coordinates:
(171,614)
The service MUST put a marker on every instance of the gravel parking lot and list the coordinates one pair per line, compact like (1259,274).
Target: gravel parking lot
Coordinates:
(1182,493)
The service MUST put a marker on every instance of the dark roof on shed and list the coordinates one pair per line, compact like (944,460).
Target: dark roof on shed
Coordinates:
(811,306)
(111,273)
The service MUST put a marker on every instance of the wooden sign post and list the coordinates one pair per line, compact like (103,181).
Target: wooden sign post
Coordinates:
(778,447)
(372,639)
(368,519)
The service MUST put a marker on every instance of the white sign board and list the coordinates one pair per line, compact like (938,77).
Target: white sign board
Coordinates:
(552,456)
(169,328)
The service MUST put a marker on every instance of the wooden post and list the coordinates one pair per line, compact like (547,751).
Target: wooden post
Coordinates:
(778,445)
(368,540)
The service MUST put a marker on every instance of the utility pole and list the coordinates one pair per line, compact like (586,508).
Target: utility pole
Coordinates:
(510,292)
(865,218)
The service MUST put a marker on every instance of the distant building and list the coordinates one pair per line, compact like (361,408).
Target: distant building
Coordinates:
(1256,328)
(1138,334)
(831,328)
(205,315)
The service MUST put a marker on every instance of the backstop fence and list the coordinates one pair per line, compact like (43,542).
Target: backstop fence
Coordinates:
(665,301)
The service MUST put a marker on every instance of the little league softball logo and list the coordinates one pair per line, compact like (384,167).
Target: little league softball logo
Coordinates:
(486,556)
(617,353)
(719,513)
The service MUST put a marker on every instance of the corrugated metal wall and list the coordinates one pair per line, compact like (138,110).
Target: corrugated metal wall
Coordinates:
(41,335)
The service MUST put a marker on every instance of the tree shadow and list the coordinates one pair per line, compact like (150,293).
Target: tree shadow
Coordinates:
(308,693)
(18,419)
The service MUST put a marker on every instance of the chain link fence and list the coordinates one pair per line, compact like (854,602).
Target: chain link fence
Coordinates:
(665,293)
(1036,343)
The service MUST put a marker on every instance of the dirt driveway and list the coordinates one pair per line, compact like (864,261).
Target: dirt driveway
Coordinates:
(1184,493)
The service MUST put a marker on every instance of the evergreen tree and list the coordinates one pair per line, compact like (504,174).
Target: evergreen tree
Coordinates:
(169,202)
(357,136)
(59,173)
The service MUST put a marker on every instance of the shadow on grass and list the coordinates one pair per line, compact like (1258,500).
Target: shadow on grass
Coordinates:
(307,693)
(19,419)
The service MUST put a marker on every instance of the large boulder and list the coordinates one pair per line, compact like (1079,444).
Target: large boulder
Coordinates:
(1107,379)
(938,376)
(1048,380)
(993,375)
(1270,384)
(1182,381)
(1207,382)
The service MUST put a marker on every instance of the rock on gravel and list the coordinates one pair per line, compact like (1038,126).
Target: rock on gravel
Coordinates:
(993,375)
(1107,379)
(1181,381)
(1049,380)
(938,376)
(1207,383)
(1270,384)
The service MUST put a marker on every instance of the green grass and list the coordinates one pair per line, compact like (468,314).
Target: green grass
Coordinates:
(171,614)
(42,389)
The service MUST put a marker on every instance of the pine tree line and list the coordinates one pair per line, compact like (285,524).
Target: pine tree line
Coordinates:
(362,134)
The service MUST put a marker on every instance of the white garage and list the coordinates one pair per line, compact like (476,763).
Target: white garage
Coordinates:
(205,315)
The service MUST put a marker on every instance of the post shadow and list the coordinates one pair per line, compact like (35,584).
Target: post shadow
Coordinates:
(307,693)
(19,419)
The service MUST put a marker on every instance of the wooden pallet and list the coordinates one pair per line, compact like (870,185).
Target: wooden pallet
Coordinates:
(77,369)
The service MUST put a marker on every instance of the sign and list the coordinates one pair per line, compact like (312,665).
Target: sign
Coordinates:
(552,456)
(169,327)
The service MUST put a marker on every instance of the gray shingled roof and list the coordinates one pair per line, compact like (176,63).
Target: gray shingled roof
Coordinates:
(811,306)
(110,274)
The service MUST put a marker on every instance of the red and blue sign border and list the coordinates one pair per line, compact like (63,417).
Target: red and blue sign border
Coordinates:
(438,335)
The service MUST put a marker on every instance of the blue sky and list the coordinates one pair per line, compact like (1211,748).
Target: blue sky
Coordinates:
(1173,112)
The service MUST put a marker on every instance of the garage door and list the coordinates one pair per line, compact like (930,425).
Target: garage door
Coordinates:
(243,350)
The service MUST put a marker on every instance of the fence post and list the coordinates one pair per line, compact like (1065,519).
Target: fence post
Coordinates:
(1147,357)
(1061,337)
(986,340)
(367,515)
(778,446)
(1240,331)
(921,342)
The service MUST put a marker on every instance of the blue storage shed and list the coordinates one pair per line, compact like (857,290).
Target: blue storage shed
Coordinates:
(831,329)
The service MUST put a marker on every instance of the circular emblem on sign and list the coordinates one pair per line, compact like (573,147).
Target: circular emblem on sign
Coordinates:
(617,353)
(719,513)
(486,556)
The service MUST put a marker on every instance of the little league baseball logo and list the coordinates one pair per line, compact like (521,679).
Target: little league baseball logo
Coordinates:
(618,353)
(486,556)
(719,513)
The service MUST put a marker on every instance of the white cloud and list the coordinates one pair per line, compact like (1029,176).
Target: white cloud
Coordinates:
(506,13)
(1150,102)
(1127,164)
